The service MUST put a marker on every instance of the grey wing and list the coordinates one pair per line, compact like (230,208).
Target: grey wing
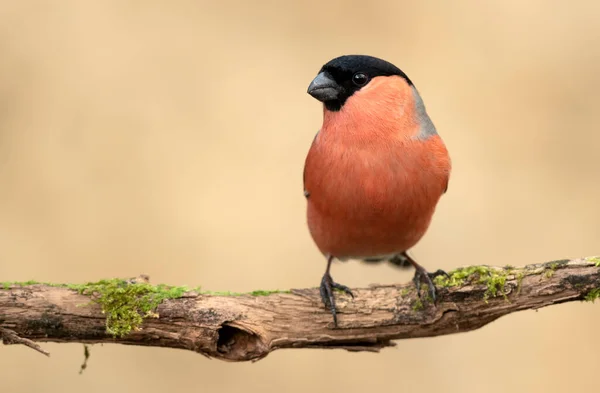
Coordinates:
(306,193)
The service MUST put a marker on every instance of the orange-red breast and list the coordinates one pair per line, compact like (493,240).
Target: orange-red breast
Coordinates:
(375,170)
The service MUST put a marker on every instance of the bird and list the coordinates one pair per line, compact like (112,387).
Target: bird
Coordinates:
(375,170)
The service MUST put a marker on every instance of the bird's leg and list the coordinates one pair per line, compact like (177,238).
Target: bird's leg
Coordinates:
(421,273)
(327,286)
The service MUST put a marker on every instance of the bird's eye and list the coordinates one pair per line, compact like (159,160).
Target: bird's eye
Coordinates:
(360,79)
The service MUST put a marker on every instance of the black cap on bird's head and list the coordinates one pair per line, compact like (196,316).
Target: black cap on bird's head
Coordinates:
(341,77)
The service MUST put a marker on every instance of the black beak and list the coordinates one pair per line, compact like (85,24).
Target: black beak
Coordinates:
(323,88)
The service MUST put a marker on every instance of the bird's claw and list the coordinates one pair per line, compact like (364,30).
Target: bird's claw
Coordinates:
(326,289)
(421,273)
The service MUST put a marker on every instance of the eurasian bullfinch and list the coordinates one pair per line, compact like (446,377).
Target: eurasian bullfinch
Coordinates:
(375,170)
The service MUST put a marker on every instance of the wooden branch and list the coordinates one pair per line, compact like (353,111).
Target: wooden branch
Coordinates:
(247,327)
(10,337)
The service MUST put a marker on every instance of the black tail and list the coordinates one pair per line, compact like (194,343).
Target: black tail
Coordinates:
(401,261)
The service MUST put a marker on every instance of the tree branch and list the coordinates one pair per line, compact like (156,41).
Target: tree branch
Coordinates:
(10,337)
(239,327)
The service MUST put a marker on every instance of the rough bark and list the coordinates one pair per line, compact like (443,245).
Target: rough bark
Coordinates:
(240,328)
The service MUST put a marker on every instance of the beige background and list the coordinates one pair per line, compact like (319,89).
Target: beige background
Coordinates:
(140,137)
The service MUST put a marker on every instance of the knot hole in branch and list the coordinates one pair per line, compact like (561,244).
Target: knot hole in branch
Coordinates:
(236,343)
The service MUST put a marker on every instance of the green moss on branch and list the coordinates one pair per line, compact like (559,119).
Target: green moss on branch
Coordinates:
(592,295)
(594,260)
(493,278)
(127,303)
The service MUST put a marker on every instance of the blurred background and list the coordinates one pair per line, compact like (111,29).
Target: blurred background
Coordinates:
(169,139)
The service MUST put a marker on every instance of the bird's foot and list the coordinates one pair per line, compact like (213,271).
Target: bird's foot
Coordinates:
(327,287)
(423,275)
